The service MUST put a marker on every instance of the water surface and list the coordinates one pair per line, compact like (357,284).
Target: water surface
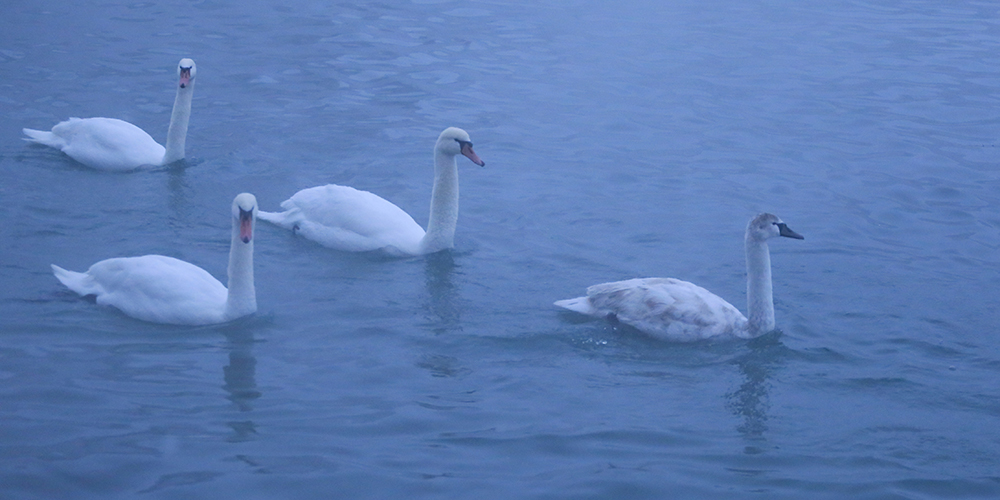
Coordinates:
(621,140)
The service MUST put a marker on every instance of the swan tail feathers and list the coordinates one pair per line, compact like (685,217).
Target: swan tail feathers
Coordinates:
(288,219)
(43,137)
(272,217)
(81,283)
(580,304)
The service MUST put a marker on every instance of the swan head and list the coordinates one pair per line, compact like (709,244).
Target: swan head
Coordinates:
(245,215)
(186,70)
(455,141)
(765,226)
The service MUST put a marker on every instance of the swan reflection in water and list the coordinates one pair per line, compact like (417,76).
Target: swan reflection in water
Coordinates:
(443,314)
(751,401)
(239,377)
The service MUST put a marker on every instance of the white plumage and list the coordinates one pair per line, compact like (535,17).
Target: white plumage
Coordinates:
(113,144)
(671,309)
(348,219)
(163,289)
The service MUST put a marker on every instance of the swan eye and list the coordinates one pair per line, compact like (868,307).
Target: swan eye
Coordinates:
(463,144)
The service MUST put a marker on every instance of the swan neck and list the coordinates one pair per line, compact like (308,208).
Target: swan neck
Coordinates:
(444,205)
(242,298)
(760,300)
(177,133)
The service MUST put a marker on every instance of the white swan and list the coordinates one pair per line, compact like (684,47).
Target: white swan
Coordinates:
(345,218)
(113,144)
(167,290)
(671,309)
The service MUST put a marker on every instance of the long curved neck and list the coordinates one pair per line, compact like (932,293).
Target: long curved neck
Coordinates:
(177,133)
(444,205)
(760,300)
(242,297)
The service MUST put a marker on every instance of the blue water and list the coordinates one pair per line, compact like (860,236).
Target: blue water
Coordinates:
(621,139)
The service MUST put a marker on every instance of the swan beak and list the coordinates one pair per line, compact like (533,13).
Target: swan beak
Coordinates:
(246,225)
(470,154)
(788,233)
(185,77)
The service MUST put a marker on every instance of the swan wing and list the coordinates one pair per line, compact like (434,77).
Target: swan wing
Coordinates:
(105,143)
(667,308)
(156,288)
(350,219)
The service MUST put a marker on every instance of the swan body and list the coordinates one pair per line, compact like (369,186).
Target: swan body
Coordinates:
(345,218)
(117,145)
(163,289)
(671,309)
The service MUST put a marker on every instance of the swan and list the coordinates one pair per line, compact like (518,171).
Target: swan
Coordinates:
(117,145)
(163,289)
(345,218)
(671,309)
